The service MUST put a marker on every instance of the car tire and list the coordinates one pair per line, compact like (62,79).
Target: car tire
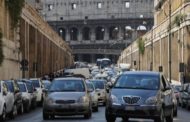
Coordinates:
(21,109)
(27,109)
(13,112)
(125,119)
(88,115)
(161,117)
(45,116)
(175,112)
(170,117)
(96,108)
(3,116)
(183,105)
(109,117)
(104,104)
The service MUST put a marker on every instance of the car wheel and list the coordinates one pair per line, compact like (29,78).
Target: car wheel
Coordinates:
(96,108)
(161,118)
(183,105)
(3,116)
(104,104)
(45,116)
(175,112)
(170,117)
(14,112)
(27,109)
(109,117)
(88,115)
(125,119)
(21,109)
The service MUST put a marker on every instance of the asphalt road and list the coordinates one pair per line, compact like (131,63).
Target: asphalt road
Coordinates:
(36,116)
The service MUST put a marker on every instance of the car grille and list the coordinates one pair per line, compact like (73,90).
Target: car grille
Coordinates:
(65,101)
(131,99)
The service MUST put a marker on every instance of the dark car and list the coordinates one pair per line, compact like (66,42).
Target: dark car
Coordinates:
(14,89)
(185,95)
(140,94)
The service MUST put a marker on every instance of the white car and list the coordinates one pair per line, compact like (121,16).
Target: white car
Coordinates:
(6,102)
(93,95)
(37,83)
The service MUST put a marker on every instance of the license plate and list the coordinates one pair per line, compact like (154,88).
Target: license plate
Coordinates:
(64,106)
(130,108)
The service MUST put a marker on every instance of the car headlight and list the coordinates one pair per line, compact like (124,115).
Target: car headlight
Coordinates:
(115,100)
(50,101)
(83,99)
(151,100)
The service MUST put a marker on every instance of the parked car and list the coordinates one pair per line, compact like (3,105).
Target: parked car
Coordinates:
(93,95)
(175,102)
(140,94)
(32,90)
(185,95)
(27,94)
(14,89)
(67,96)
(100,90)
(176,89)
(6,102)
(37,83)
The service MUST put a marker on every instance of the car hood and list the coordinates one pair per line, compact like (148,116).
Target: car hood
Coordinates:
(66,95)
(144,94)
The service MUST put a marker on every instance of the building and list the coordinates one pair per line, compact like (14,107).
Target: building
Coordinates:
(165,48)
(99,28)
(36,4)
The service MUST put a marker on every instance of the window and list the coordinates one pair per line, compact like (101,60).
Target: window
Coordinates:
(127,4)
(73,6)
(50,7)
(99,5)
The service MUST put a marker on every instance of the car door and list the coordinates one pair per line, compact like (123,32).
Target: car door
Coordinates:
(167,96)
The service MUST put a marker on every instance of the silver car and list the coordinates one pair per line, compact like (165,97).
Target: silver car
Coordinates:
(93,95)
(100,90)
(67,96)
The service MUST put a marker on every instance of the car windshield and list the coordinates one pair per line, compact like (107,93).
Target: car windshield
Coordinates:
(90,86)
(22,87)
(47,85)
(29,87)
(67,86)
(10,86)
(36,83)
(135,81)
(99,84)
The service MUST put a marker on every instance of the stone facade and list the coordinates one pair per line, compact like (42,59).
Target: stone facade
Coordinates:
(157,43)
(33,40)
(98,28)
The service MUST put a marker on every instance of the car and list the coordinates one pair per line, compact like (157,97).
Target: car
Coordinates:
(100,86)
(27,94)
(140,94)
(176,89)
(46,84)
(14,89)
(67,96)
(93,95)
(6,102)
(175,102)
(185,95)
(37,83)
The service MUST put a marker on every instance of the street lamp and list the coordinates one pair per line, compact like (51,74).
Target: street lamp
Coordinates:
(170,41)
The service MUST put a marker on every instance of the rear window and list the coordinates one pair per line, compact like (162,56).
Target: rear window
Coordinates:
(22,87)
(10,86)
(67,86)
(99,84)
(36,83)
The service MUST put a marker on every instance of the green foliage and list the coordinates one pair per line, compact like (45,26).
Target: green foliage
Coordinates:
(141,45)
(179,19)
(1,48)
(15,9)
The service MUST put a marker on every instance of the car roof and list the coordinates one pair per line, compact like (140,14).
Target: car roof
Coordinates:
(69,78)
(141,73)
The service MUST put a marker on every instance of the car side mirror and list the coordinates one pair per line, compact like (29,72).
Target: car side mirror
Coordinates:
(4,93)
(90,90)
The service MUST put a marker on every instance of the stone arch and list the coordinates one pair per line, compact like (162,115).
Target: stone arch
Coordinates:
(74,33)
(62,33)
(86,33)
(113,32)
(100,32)
(128,31)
